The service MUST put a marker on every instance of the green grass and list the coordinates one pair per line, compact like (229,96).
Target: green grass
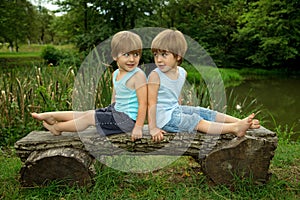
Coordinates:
(33,48)
(19,55)
(182,179)
(232,77)
(28,89)
(28,55)
(25,54)
(229,77)
(40,89)
(13,59)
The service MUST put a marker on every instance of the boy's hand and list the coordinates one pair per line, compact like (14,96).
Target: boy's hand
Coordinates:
(157,134)
(137,133)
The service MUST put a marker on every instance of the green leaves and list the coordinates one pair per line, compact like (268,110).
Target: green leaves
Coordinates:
(269,28)
(236,33)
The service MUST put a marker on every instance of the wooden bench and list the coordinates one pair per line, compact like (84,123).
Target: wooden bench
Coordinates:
(71,157)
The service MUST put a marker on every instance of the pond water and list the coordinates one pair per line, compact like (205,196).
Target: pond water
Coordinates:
(280,96)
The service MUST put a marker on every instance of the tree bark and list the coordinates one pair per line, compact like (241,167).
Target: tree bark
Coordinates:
(67,165)
(71,156)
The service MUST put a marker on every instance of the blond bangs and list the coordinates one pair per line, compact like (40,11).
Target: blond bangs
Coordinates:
(125,42)
(128,45)
(169,40)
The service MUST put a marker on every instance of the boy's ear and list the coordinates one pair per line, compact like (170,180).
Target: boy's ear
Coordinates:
(115,58)
(178,58)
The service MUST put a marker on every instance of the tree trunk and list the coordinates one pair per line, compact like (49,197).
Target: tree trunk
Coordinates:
(66,165)
(247,157)
(71,156)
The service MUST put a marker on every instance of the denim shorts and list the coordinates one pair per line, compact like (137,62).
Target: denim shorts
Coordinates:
(186,118)
(109,121)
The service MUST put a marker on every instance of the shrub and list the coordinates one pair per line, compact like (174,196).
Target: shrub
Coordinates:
(52,55)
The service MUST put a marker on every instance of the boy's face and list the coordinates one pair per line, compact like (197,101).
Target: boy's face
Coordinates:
(128,61)
(165,60)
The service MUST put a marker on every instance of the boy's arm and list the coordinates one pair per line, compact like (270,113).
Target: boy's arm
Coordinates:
(180,100)
(180,96)
(141,92)
(153,86)
(113,99)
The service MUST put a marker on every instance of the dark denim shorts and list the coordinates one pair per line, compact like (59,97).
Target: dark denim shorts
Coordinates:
(109,121)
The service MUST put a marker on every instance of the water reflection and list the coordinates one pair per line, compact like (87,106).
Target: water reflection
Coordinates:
(279,96)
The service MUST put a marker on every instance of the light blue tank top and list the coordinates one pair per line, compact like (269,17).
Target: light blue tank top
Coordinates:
(168,94)
(126,99)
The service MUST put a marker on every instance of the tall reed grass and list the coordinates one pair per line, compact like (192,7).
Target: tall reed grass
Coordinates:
(37,89)
(41,89)
(25,90)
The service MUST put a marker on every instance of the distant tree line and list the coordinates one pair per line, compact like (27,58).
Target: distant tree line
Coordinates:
(236,33)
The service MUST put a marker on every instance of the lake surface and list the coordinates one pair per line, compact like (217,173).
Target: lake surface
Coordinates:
(280,96)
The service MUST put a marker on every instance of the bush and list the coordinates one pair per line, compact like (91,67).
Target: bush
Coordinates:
(71,58)
(52,55)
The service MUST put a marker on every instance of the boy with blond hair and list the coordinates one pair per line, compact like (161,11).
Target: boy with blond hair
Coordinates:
(128,107)
(165,114)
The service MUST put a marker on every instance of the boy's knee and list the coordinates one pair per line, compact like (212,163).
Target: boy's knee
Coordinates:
(90,114)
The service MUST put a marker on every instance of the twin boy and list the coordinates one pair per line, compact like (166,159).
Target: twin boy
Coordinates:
(157,96)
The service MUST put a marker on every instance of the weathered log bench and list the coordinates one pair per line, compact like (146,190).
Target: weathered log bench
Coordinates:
(71,157)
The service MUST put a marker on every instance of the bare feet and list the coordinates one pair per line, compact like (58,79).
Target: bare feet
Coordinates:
(255,124)
(51,128)
(48,118)
(243,125)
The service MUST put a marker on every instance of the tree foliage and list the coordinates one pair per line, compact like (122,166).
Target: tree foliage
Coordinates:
(23,22)
(15,21)
(269,32)
(93,21)
(236,33)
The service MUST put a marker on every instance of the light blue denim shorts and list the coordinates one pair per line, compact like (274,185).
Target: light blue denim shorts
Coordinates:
(186,118)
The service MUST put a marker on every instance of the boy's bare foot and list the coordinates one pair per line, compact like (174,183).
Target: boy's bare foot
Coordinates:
(255,124)
(44,117)
(243,125)
(51,128)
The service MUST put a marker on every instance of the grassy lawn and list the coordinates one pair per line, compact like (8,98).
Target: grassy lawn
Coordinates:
(19,55)
(33,48)
(28,55)
(182,179)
